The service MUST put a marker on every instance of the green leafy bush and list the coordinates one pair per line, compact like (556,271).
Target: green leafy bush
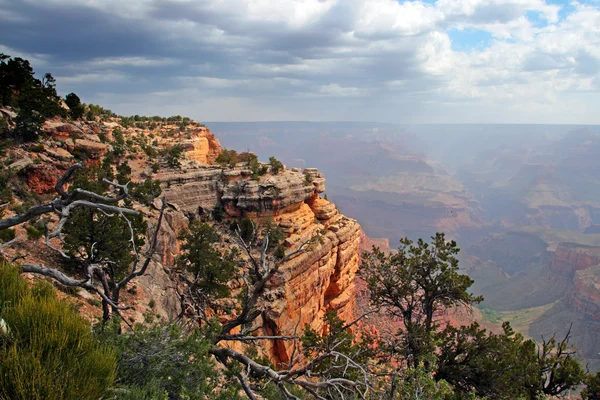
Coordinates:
(146,191)
(227,158)
(6,235)
(276,165)
(49,352)
(308,179)
(211,269)
(173,156)
(164,362)
(33,232)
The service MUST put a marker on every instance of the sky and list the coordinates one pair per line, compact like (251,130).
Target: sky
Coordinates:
(444,61)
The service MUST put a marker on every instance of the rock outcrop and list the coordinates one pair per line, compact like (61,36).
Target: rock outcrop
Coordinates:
(570,258)
(203,147)
(306,286)
(584,295)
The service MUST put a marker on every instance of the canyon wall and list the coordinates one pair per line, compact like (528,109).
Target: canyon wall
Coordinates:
(306,286)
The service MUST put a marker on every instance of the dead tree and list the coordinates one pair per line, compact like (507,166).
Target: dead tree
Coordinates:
(261,268)
(63,207)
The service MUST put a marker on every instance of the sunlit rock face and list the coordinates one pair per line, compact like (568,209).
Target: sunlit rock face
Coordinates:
(306,286)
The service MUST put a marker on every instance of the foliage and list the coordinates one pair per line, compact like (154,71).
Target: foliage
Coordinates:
(35,99)
(247,228)
(97,111)
(506,365)
(227,158)
(276,165)
(33,232)
(6,235)
(275,233)
(246,157)
(93,237)
(337,353)
(165,362)
(123,173)
(76,109)
(592,389)
(417,383)
(413,284)
(49,352)
(146,191)
(7,176)
(210,268)
(218,212)
(108,236)
(499,366)
(173,155)
(308,179)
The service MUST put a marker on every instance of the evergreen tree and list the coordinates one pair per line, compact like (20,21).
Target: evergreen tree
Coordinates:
(276,165)
(211,269)
(76,109)
(413,284)
(93,237)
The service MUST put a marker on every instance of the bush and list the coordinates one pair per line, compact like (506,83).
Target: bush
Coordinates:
(76,109)
(164,362)
(146,191)
(308,179)
(173,156)
(276,165)
(38,148)
(246,229)
(49,352)
(33,232)
(227,158)
(6,235)
(218,212)
(280,251)
(155,167)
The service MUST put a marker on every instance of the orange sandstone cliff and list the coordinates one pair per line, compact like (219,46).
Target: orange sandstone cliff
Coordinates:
(316,280)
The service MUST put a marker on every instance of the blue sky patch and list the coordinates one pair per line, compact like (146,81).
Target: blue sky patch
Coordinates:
(469,39)
(536,19)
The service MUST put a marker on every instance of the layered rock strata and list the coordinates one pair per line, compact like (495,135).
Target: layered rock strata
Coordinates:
(306,286)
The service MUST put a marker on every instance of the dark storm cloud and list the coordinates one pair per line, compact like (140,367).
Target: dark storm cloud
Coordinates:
(306,59)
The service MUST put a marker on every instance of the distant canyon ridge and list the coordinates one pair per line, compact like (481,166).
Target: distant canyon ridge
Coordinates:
(523,202)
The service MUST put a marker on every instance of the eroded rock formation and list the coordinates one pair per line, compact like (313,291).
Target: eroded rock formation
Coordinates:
(306,286)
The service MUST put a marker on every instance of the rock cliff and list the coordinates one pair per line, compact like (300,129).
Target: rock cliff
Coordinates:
(316,280)
(306,286)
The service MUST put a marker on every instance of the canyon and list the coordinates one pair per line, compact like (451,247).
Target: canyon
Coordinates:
(522,201)
(317,279)
(527,226)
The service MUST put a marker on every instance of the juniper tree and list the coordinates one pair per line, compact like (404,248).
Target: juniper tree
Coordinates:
(413,284)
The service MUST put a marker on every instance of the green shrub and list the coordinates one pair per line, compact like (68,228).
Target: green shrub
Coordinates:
(280,251)
(276,165)
(50,352)
(227,158)
(33,232)
(308,179)
(218,212)
(155,167)
(246,229)
(165,362)
(38,148)
(173,156)
(6,235)
(146,191)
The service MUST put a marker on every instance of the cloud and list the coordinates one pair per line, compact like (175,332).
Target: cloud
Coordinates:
(386,60)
